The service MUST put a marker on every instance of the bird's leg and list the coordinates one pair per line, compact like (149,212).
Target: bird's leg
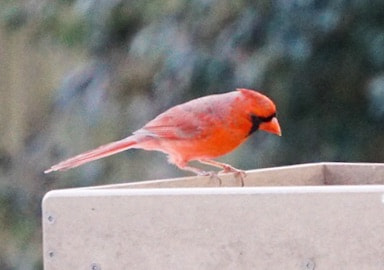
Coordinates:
(201,172)
(226,167)
(183,166)
(239,174)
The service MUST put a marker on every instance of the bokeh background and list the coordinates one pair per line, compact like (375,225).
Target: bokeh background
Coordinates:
(75,74)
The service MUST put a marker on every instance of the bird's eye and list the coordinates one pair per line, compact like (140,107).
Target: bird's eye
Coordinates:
(267,119)
(257,120)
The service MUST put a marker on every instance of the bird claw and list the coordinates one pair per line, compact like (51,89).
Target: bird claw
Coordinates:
(240,175)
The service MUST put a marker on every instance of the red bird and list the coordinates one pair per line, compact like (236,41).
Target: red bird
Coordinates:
(201,129)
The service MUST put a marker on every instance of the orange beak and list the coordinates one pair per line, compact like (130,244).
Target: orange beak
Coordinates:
(271,126)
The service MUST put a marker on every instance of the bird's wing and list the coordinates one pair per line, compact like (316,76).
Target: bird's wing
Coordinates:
(179,123)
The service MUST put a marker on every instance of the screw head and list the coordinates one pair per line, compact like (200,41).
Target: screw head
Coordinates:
(50,219)
(95,266)
(309,264)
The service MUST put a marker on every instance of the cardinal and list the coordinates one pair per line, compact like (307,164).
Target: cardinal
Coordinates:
(198,130)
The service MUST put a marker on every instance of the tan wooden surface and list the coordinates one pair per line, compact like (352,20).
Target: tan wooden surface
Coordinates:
(302,221)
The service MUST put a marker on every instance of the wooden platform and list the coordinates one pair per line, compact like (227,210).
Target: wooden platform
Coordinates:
(312,216)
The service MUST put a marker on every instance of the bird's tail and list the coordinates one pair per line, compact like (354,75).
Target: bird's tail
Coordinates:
(100,152)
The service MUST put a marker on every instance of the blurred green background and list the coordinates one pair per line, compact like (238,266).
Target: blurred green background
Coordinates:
(77,74)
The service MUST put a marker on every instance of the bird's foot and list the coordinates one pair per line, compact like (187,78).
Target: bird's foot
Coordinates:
(229,169)
(212,175)
(239,174)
